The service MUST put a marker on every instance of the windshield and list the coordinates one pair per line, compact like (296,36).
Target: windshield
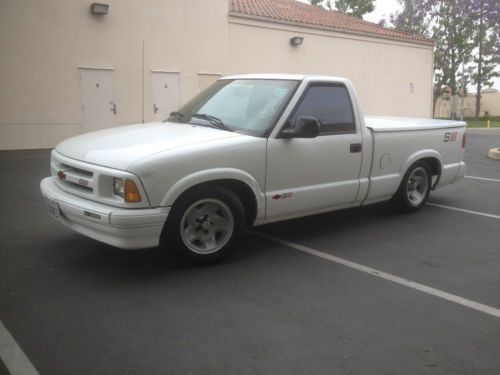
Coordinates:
(249,106)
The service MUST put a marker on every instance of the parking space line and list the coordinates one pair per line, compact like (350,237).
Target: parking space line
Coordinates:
(464,210)
(483,178)
(383,275)
(12,355)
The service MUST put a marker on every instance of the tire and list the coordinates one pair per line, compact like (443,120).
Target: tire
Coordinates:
(204,224)
(414,189)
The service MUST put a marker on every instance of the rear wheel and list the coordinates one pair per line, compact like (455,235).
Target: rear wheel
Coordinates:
(204,224)
(415,187)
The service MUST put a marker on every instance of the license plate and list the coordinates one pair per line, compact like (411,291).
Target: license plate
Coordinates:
(53,208)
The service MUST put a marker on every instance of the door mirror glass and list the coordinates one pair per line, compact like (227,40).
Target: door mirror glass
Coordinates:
(305,127)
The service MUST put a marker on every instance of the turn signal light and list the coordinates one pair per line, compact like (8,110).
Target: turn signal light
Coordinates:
(131,192)
(464,140)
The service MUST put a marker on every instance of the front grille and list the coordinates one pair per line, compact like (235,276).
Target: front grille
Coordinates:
(76,179)
(78,170)
(88,181)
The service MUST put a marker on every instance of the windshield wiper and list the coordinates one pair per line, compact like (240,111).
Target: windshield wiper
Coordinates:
(214,121)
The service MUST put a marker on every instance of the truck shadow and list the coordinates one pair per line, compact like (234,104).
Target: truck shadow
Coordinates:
(342,221)
(103,261)
(98,260)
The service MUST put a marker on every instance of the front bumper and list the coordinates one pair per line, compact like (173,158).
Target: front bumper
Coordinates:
(124,228)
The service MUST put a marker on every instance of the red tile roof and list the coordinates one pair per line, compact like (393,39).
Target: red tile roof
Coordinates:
(291,11)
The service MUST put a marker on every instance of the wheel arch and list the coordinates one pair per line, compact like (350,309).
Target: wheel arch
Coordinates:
(244,185)
(431,157)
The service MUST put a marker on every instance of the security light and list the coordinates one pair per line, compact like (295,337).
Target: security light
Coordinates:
(99,8)
(296,41)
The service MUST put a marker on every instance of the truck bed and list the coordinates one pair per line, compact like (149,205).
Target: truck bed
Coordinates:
(397,142)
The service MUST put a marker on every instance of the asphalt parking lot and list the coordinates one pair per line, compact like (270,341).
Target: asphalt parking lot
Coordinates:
(283,304)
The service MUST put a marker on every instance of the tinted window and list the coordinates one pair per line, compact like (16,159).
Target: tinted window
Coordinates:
(331,105)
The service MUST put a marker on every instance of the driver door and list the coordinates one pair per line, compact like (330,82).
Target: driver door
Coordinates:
(311,175)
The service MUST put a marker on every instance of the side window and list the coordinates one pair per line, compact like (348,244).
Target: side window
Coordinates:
(331,105)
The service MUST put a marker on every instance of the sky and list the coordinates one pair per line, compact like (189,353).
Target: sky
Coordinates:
(383,9)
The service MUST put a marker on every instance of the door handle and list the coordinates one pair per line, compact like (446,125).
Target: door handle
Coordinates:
(113,107)
(155,108)
(355,147)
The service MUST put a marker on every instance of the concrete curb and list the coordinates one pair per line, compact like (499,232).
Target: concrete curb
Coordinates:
(494,153)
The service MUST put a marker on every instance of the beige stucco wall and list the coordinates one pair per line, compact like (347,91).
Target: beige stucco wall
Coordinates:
(382,71)
(490,102)
(43,43)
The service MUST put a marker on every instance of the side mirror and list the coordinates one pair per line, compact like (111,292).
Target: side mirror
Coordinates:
(305,127)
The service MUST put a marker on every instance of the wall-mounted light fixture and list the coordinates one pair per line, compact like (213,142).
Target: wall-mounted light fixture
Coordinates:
(296,41)
(99,8)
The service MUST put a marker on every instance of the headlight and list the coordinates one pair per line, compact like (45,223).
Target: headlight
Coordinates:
(126,189)
(118,187)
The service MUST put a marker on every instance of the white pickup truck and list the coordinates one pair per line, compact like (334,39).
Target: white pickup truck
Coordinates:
(249,150)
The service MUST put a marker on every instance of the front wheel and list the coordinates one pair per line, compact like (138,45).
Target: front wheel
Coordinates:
(415,187)
(204,224)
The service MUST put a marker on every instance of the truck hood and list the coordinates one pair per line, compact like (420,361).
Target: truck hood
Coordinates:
(120,147)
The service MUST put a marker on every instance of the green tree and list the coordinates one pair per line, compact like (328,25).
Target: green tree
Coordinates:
(318,3)
(355,8)
(485,15)
(452,30)
(413,17)
(322,3)
(467,37)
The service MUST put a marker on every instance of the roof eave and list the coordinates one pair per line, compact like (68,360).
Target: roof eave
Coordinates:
(429,43)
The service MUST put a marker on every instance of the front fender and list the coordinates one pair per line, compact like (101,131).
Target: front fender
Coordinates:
(215,174)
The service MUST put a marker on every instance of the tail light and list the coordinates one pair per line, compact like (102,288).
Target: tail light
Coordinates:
(464,140)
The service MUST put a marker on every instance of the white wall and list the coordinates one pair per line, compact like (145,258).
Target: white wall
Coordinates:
(381,70)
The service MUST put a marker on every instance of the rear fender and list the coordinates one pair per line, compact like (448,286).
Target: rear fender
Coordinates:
(423,154)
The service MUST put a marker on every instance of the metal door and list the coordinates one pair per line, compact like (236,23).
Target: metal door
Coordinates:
(166,97)
(97,99)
